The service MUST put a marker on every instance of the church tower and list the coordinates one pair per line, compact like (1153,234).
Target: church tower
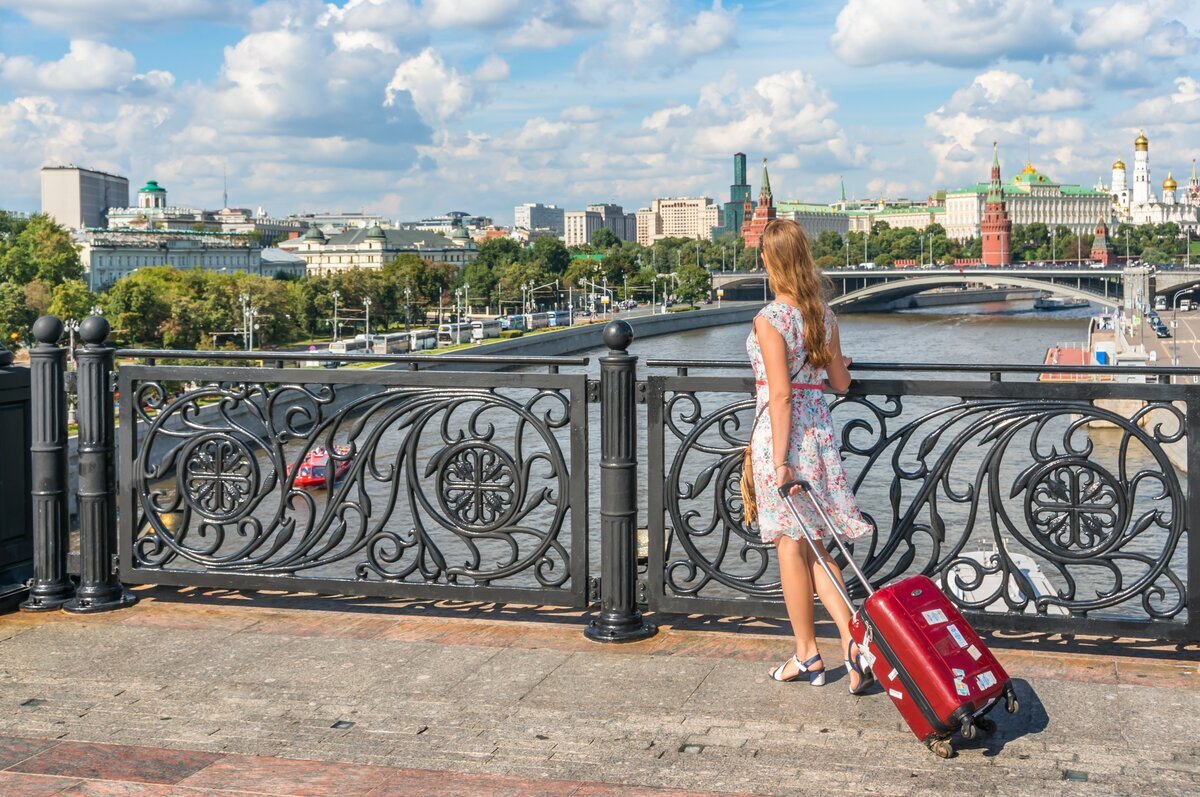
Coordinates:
(1141,171)
(1169,187)
(1193,192)
(996,227)
(753,229)
(1120,186)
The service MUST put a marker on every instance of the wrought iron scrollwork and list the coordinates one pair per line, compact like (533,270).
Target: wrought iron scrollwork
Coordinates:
(431,485)
(1017,505)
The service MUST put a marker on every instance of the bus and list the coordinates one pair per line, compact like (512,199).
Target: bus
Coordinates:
(421,339)
(481,330)
(538,320)
(512,322)
(349,346)
(450,334)
(390,343)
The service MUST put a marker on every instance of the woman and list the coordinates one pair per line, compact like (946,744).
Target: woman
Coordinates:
(794,345)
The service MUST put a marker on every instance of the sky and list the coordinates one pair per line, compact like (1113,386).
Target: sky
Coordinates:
(410,108)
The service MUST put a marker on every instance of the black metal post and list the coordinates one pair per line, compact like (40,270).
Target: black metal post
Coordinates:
(51,586)
(619,619)
(99,590)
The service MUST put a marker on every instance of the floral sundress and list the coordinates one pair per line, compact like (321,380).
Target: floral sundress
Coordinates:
(812,450)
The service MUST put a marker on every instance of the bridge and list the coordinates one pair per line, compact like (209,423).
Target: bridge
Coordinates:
(858,287)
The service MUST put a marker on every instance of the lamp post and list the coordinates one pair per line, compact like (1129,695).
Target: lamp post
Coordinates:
(457,315)
(245,300)
(336,295)
(367,325)
(252,314)
(407,302)
(1053,244)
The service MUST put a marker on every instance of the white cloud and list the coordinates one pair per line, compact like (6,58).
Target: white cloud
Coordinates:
(492,69)
(998,93)
(438,91)
(645,34)
(89,17)
(471,13)
(376,16)
(87,66)
(537,34)
(950,32)
(1180,106)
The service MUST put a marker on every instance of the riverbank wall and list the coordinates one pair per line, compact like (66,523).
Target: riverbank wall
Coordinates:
(950,299)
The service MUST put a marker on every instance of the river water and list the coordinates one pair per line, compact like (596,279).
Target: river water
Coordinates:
(938,525)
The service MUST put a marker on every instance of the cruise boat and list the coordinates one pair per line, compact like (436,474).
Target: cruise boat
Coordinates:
(1058,303)
(314,470)
(991,582)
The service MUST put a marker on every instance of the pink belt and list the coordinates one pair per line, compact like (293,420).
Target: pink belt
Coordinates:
(795,385)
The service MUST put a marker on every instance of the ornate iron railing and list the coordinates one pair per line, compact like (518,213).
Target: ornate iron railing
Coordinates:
(379,482)
(1055,507)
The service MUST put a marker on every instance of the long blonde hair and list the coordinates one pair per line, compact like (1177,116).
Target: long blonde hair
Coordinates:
(792,272)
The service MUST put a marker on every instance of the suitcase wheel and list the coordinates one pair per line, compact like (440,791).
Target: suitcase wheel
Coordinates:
(941,748)
(986,725)
(1011,704)
(967,729)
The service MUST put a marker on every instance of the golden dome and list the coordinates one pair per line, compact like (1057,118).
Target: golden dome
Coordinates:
(1029,168)
(1141,142)
(1120,164)
(1169,184)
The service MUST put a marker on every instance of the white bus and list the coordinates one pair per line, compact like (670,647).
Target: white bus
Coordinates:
(538,320)
(481,330)
(1160,303)
(512,322)
(421,339)
(349,346)
(390,343)
(450,334)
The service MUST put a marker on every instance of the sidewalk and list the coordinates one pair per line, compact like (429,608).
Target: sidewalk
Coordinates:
(431,696)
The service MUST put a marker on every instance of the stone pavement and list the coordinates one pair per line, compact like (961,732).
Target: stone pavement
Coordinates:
(427,697)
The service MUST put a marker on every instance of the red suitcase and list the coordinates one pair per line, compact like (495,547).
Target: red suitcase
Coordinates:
(929,660)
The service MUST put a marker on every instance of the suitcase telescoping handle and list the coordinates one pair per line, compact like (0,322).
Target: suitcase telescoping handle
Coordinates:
(806,488)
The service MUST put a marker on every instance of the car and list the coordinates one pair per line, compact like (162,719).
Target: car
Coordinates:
(1163,332)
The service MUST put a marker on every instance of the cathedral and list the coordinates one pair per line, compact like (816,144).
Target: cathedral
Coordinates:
(1138,204)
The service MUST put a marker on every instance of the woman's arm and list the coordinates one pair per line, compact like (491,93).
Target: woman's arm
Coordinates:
(779,396)
(838,370)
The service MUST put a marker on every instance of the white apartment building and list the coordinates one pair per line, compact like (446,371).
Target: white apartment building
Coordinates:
(678,217)
(375,246)
(109,255)
(536,216)
(580,225)
(77,198)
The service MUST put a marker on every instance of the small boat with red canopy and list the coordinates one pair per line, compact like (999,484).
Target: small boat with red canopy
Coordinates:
(318,465)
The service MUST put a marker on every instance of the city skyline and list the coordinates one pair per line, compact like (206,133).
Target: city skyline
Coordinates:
(405,109)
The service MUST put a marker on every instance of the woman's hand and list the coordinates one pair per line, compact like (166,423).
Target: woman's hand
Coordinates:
(847,361)
(783,475)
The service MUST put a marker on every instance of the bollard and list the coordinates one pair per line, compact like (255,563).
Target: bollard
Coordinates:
(51,587)
(619,619)
(99,590)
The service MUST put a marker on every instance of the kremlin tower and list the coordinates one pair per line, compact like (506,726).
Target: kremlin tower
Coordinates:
(1102,248)
(752,228)
(996,225)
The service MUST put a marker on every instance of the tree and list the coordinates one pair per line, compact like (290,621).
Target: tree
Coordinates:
(551,256)
(497,252)
(16,317)
(42,250)
(72,299)
(693,283)
(427,282)
(605,238)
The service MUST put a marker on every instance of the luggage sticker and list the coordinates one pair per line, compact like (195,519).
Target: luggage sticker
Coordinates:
(892,675)
(895,694)
(961,688)
(974,651)
(985,679)
(934,616)
(958,674)
(958,637)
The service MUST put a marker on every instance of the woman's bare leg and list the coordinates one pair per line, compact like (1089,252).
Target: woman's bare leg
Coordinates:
(832,600)
(796,580)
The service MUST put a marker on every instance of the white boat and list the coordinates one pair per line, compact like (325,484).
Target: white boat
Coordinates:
(991,582)
(1058,303)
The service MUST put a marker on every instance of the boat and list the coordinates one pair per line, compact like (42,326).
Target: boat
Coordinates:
(314,469)
(991,582)
(1059,303)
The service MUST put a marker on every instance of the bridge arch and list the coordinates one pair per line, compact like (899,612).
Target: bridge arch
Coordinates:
(907,286)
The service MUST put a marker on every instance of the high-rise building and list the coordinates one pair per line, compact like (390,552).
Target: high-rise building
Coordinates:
(678,217)
(752,228)
(580,225)
(536,216)
(996,227)
(739,194)
(77,198)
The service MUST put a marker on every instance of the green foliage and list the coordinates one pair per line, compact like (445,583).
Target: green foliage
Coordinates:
(16,317)
(551,256)
(605,238)
(693,283)
(41,250)
(511,333)
(72,299)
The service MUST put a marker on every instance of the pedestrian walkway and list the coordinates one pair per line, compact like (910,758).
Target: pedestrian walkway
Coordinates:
(210,693)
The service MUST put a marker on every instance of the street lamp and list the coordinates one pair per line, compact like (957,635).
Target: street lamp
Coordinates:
(1053,244)
(457,315)
(251,314)
(245,300)
(336,295)
(367,326)
(407,301)
(72,326)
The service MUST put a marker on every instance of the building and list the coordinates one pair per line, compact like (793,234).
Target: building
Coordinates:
(372,247)
(154,212)
(1138,204)
(996,227)
(529,236)
(1102,248)
(1030,197)
(678,217)
(916,217)
(536,216)
(448,222)
(276,261)
(756,221)
(814,217)
(581,225)
(78,198)
(739,195)
(337,222)
(109,255)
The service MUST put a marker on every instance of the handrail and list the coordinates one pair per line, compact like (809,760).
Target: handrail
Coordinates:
(1108,370)
(296,356)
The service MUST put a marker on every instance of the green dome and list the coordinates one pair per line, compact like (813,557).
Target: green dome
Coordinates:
(376,233)
(459,233)
(152,187)
(313,233)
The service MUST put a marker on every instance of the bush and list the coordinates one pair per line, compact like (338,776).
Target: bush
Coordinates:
(681,308)
(511,333)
